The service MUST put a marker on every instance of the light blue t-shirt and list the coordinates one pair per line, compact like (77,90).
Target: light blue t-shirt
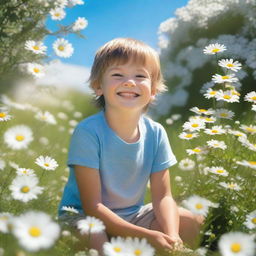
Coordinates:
(124,167)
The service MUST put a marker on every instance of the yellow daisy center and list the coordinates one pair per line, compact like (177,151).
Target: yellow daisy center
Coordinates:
(137,252)
(57,14)
(25,189)
(91,225)
(209,119)
(61,48)
(2,114)
(253,98)
(36,47)
(35,231)
(252,162)
(47,165)
(25,171)
(43,117)
(215,50)
(225,77)
(213,92)
(227,97)
(4,218)
(249,129)
(220,171)
(236,93)
(36,70)
(254,220)
(117,249)
(20,137)
(223,114)
(214,131)
(199,206)
(230,65)
(202,110)
(197,150)
(235,247)
(194,125)
(189,135)
(231,185)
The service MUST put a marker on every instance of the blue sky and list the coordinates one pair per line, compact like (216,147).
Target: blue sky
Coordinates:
(109,19)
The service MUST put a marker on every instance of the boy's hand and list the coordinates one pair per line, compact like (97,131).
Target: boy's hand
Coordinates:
(162,241)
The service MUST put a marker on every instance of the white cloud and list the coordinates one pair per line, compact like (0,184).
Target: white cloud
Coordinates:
(62,74)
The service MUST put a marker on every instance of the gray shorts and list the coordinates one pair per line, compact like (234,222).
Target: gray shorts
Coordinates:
(143,218)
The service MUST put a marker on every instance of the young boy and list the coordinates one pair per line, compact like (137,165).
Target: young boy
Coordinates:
(115,152)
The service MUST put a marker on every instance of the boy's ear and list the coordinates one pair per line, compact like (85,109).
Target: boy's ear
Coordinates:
(98,91)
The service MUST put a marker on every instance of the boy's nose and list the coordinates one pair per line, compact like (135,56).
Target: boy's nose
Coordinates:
(129,83)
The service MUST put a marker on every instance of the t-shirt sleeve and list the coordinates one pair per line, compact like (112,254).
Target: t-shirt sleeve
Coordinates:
(84,148)
(164,157)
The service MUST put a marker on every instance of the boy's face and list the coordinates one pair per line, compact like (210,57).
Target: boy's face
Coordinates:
(126,86)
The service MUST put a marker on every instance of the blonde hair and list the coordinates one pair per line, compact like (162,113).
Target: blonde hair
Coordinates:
(120,51)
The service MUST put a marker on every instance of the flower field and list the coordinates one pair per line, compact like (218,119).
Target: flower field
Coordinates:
(214,139)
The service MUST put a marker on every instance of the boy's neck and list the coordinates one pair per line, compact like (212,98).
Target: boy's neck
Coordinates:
(124,124)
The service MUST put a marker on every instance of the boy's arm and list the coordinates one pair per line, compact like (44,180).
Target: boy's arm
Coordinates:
(164,206)
(89,185)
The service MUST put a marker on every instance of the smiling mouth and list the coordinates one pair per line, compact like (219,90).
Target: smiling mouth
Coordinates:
(128,94)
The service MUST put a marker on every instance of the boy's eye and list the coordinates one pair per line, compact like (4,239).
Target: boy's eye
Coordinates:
(116,74)
(141,76)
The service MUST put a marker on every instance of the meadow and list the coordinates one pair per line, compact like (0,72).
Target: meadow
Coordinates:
(215,175)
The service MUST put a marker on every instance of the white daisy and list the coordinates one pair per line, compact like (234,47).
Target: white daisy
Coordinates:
(69,209)
(35,231)
(57,14)
(188,136)
(231,185)
(230,64)
(24,188)
(215,130)
(72,3)
(116,247)
(236,244)
(250,97)
(4,116)
(5,218)
(219,79)
(251,164)
(254,107)
(237,133)
(25,172)
(187,164)
(248,128)
(141,247)
(224,113)
(80,23)
(36,70)
(216,144)
(90,225)
(63,48)
(18,137)
(2,164)
(208,119)
(46,117)
(35,46)
(46,163)
(62,116)
(250,220)
(194,125)
(228,96)
(197,205)
(61,3)
(201,111)
(214,49)
(195,151)
(218,170)
(210,93)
